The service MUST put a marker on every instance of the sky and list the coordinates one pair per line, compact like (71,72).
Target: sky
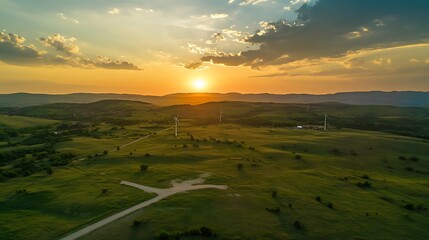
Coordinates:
(157,47)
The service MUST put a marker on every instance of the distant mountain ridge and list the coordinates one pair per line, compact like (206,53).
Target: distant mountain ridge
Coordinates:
(397,98)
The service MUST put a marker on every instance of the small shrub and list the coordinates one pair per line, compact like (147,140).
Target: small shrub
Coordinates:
(185,146)
(104,190)
(403,158)
(49,170)
(298,225)
(136,223)
(319,198)
(273,210)
(163,235)
(147,155)
(330,205)
(239,166)
(274,194)
(414,159)
(409,206)
(409,169)
(143,167)
(297,157)
(118,148)
(105,152)
(365,184)
(365,176)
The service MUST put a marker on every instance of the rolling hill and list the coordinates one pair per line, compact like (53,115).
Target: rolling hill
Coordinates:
(404,99)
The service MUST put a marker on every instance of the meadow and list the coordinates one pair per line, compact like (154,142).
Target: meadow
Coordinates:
(283,183)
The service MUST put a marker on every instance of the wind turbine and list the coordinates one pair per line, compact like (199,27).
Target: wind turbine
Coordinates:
(176,121)
(325,122)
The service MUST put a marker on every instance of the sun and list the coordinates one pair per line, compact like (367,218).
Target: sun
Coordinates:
(199,84)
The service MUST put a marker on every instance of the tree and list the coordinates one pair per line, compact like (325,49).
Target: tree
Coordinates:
(49,170)
(143,167)
(298,225)
(274,194)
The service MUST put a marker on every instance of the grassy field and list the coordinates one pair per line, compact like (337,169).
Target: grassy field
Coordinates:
(24,122)
(300,165)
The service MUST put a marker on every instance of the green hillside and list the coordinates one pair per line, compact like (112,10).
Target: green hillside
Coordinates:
(283,182)
(331,165)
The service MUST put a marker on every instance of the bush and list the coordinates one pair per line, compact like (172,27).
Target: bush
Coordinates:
(403,158)
(104,190)
(297,157)
(143,167)
(319,198)
(239,166)
(163,235)
(136,223)
(273,210)
(147,155)
(49,170)
(330,205)
(365,176)
(365,184)
(274,194)
(414,158)
(409,206)
(298,225)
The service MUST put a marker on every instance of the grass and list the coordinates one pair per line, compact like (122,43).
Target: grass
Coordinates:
(72,196)
(24,122)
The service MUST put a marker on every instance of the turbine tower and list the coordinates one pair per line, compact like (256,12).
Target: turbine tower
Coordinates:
(176,121)
(220,116)
(325,123)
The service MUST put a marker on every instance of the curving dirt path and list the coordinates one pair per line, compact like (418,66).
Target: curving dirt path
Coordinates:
(178,187)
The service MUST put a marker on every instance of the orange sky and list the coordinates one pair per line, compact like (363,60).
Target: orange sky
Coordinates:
(160,47)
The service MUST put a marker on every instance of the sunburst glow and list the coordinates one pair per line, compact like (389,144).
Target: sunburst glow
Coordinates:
(200,84)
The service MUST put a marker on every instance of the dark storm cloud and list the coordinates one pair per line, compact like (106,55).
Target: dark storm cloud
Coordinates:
(331,28)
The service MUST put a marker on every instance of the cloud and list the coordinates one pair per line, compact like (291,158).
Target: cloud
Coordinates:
(114,11)
(295,2)
(104,62)
(332,28)
(61,43)
(252,2)
(14,51)
(149,10)
(195,66)
(63,17)
(218,15)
